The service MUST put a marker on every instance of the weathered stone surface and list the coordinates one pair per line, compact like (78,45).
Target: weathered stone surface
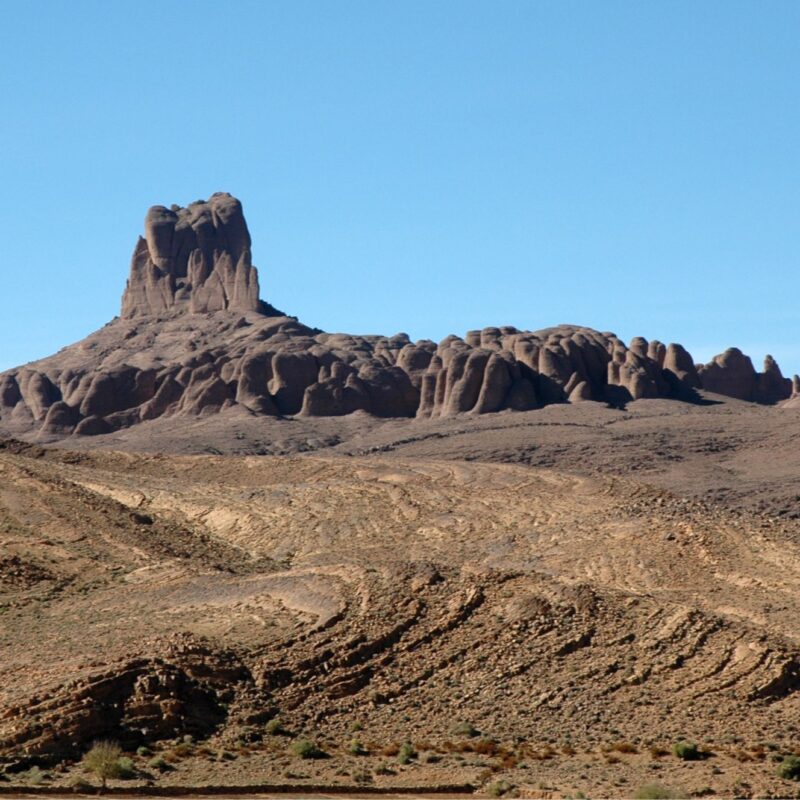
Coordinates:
(731,373)
(194,259)
(143,700)
(194,339)
(680,364)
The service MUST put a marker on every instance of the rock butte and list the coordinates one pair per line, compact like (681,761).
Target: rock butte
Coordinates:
(194,337)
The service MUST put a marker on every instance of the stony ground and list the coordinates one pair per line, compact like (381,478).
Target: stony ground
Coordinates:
(539,603)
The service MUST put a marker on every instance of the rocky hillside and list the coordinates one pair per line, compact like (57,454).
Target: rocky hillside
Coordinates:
(581,624)
(194,338)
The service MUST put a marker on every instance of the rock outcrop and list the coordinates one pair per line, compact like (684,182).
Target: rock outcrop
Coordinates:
(194,338)
(197,258)
(185,691)
(732,374)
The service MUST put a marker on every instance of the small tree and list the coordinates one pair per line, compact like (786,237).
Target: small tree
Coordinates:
(103,761)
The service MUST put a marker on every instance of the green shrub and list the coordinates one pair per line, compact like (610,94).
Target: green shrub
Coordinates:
(652,791)
(305,748)
(406,753)
(103,761)
(274,727)
(143,751)
(357,749)
(686,751)
(158,763)
(789,768)
(126,768)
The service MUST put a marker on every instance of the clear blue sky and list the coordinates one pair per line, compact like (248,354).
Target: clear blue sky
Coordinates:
(427,167)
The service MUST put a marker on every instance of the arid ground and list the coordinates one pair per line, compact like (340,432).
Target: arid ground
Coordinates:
(540,603)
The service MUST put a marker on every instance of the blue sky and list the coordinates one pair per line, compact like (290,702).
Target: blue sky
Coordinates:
(427,167)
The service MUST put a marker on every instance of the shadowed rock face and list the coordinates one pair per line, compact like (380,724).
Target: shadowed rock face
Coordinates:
(194,338)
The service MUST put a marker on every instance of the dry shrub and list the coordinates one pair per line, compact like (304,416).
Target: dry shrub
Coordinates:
(509,761)
(485,747)
(391,750)
(568,750)
(657,752)
(620,747)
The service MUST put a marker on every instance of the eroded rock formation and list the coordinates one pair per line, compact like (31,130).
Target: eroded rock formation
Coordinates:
(196,258)
(195,338)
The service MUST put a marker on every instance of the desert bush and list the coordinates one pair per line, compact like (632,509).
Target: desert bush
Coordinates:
(464,729)
(143,751)
(653,791)
(686,751)
(406,753)
(78,785)
(357,749)
(789,768)
(622,747)
(158,763)
(485,747)
(183,749)
(35,776)
(103,761)
(363,776)
(126,768)
(657,752)
(305,748)
(498,788)
(384,769)
(274,727)
(225,755)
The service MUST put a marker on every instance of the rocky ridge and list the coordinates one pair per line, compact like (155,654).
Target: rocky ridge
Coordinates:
(194,338)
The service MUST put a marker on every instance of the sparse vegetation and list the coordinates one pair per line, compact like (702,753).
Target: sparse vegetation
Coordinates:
(274,727)
(357,749)
(465,729)
(182,749)
(35,776)
(363,776)
(127,770)
(686,751)
(406,753)
(158,763)
(305,748)
(789,768)
(499,788)
(103,760)
(622,747)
